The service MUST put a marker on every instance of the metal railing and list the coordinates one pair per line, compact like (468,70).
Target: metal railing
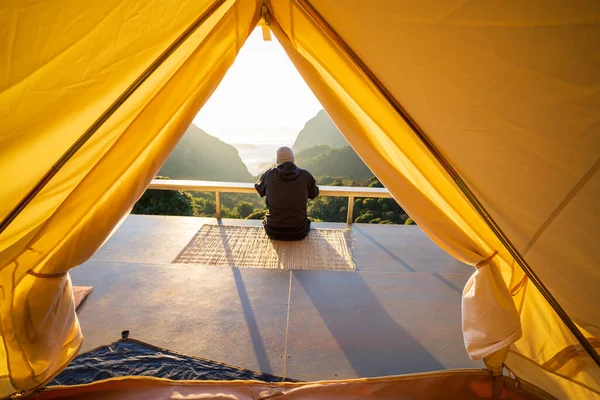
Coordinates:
(240,187)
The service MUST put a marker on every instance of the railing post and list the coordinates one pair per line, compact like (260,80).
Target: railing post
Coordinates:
(350,209)
(218,204)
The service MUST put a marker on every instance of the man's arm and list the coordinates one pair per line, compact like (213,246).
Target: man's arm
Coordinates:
(313,189)
(261,185)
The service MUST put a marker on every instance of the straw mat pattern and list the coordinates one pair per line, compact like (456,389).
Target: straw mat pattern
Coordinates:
(250,247)
(80,293)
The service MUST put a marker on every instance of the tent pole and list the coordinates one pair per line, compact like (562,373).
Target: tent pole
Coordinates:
(107,114)
(308,9)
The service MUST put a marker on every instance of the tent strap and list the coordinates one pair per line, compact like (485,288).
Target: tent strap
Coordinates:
(309,10)
(107,114)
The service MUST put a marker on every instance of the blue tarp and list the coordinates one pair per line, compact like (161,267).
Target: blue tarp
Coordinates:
(130,357)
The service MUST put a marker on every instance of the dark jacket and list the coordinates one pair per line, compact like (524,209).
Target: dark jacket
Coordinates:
(288,189)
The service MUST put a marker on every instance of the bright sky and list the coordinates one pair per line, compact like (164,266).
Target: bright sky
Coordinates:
(262,99)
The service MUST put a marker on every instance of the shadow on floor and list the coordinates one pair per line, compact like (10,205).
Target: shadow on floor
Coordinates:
(403,263)
(373,343)
(257,341)
(381,247)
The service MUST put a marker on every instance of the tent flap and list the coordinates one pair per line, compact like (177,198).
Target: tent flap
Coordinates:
(507,92)
(73,214)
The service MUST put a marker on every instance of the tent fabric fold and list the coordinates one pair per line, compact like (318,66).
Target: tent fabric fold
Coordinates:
(100,184)
(507,92)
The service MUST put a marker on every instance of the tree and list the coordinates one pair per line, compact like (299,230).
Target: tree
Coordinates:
(227,212)
(330,209)
(205,207)
(164,202)
(365,218)
(371,204)
(374,182)
(244,208)
(257,214)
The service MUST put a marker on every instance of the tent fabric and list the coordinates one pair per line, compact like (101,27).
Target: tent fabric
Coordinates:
(130,357)
(419,197)
(507,91)
(81,60)
(399,159)
(465,384)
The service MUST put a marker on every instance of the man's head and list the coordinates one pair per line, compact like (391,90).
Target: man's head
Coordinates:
(284,154)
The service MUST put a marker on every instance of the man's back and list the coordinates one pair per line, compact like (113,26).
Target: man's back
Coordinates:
(288,189)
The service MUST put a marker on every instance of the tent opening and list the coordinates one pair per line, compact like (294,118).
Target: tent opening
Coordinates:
(479,119)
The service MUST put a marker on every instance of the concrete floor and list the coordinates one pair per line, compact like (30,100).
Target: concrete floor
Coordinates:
(399,312)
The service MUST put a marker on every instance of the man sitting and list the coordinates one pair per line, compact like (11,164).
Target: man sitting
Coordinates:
(288,189)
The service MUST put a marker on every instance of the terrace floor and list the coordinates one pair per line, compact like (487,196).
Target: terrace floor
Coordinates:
(398,313)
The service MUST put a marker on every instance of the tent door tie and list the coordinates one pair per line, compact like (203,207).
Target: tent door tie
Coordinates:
(265,21)
(487,260)
(48,276)
(264,13)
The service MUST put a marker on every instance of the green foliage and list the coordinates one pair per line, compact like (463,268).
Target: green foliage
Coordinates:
(232,199)
(330,209)
(205,207)
(165,202)
(366,210)
(390,215)
(201,156)
(311,152)
(257,214)
(227,212)
(244,209)
(249,206)
(320,148)
(370,204)
(342,162)
(334,181)
(364,218)
(319,130)
(374,182)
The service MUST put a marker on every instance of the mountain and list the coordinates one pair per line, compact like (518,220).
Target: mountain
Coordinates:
(307,154)
(201,156)
(319,130)
(323,161)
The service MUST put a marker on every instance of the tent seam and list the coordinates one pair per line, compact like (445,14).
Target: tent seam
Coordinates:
(48,254)
(408,157)
(109,112)
(292,25)
(467,192)
(29,245)
(567,352)
(237,26)
(583,385)
(563,204)
(342,55)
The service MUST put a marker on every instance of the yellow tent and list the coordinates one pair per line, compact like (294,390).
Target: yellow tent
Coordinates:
(481,117)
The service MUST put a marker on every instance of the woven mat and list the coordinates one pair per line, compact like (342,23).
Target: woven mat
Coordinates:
(249,247)
(80,293)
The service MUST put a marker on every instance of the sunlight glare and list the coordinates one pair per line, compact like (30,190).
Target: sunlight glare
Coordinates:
(262,98)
